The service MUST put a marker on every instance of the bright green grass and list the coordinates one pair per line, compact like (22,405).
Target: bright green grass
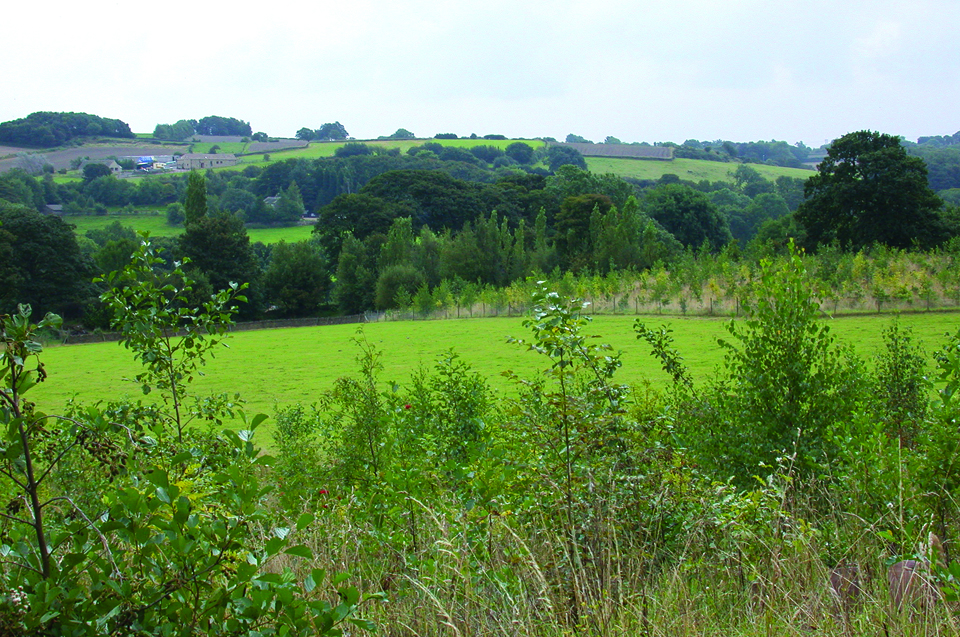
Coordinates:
(70,177)
(153,222)
(269,236)
(686,169)
(295,365)
(156,225)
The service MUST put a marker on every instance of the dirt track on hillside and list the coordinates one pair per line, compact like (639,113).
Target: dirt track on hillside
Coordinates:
(62,158)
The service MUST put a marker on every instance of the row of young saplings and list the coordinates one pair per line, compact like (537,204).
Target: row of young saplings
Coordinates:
(910,583)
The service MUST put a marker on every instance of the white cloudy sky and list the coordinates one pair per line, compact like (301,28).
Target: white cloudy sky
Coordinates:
(640,70)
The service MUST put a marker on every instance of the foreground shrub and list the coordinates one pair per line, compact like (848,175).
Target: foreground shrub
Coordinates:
(787,384)
(176,539)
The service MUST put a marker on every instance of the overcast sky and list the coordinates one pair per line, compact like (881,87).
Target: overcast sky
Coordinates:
(639,70)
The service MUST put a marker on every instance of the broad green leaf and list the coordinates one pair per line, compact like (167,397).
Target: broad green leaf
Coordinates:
(300,550)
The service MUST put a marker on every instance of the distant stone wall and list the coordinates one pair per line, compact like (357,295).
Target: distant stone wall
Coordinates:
(301,322)
(108,337)
(269,147)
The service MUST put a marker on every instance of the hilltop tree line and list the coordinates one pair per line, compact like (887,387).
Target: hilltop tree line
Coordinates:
(210,125)
(47,129)
(328,132)
(50,129)
(771,153)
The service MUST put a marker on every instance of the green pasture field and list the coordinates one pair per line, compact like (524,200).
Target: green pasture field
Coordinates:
(156,224)
(269,236)
(280,367)
(237,148)
(73,175)
(686,169)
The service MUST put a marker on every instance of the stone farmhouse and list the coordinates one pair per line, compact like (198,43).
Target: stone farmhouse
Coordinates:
(198,161)
(114,167)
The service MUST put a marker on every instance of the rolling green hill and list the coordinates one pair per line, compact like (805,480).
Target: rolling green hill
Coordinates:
(156,224)
(686,169)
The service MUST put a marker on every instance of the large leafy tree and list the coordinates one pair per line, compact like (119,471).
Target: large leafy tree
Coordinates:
(41,264)
(438,200)
(195,198)
(520,152)
(868,190)
(573,225)
(331,131)
(687,214)
(289,208)
(217,125)
(298,279)
(562,155)
(220,254)
(359,214)
(356,275)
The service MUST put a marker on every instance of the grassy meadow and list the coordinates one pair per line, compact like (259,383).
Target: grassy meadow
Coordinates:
(236,148)
(152,221)
(155,223)
(281,367)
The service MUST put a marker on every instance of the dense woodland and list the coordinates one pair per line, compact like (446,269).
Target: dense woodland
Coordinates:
(435,506)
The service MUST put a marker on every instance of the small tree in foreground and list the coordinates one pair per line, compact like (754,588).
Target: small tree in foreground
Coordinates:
(172,546)
(570,428)
(170,337)
(787,385)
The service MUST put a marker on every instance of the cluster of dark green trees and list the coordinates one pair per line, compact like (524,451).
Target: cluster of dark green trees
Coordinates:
(45,129)
(210,125)
(328,132)
(771,153)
